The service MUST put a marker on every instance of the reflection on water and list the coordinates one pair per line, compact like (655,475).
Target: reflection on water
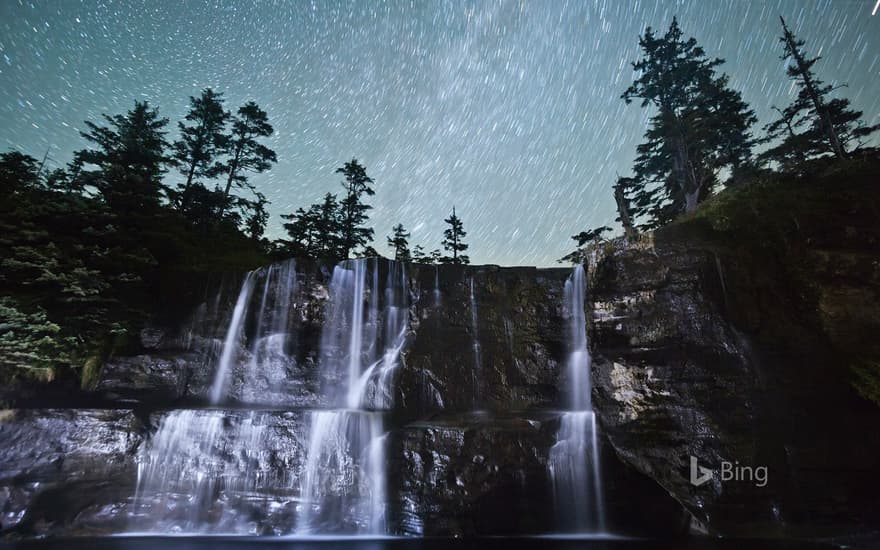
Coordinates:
(500,543)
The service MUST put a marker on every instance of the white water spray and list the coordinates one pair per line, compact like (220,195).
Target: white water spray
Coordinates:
(574,459)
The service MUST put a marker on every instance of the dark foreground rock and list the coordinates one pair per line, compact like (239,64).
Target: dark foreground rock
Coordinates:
(488,475)
(720,352)
(64,471)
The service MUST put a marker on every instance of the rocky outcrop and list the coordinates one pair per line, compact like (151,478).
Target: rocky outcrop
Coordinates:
(715,341)
(65,471)
(472,474)
(684,372)
(503,354)
(221,471)
(484,338)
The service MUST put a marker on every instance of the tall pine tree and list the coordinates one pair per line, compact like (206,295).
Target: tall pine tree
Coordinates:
(815,124)
(201,142)
(353,213)
(452,240)
(700,126)
(129,159)
(246,154)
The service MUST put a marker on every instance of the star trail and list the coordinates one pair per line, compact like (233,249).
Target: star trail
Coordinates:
(510,111)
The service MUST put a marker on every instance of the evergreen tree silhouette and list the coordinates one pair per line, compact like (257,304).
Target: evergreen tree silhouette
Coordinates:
(452,240)
(246,154)
(399,241)
(315,232)
(814,124)
(130,159)
(201,142)
(353,209)
(700,127)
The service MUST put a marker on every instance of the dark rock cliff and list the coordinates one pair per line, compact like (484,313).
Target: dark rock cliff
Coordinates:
(722,338)
(737,335)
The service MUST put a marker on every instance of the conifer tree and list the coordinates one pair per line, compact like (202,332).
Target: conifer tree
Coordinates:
(624,210)
(815,124)
(452,240)
(418,255)
(315,232)
(257,217)
(399,241)
(586,241)
(700,125)
(17,173)
(129,158)
(353,210)
(202,142)
(246,154)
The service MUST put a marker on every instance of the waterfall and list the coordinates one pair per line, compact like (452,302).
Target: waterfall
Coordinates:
(343,486)
(574,460)
(437,296)
(267,368)
(475,342)
(232,340)
(196,456)
(198,469)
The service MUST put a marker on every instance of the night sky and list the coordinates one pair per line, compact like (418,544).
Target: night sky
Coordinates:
(510,111)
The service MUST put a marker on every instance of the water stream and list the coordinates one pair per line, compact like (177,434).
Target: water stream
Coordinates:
(344,483)
(574,465)
(322,471)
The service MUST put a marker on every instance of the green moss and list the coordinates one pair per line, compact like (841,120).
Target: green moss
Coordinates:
(866,379)
(91,371)
(771,237)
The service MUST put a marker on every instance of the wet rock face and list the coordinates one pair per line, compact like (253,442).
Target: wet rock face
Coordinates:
(484,338)
(695,354)
(221,471)
(675,378)
(66,467)
(178,364)
(472,474)
(487,475)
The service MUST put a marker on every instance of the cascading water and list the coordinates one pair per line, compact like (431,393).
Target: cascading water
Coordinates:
(343,485)
(231,344)
(475,342)
(437,296)
(574,460)
(199,467)
(200,460)
(267,368)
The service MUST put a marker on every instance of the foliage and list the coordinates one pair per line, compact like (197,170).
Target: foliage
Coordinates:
(316,232)
(700,126)
(866,379)
(452,241)
(353,210)
(129,160)
(246,154)
(201,143)
(29,342)
(586,241)
(431,258)
(399,241)
(814,124)
(90,252)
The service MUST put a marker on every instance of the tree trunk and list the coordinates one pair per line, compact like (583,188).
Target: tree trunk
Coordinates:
(821,111)
(233,168)
(629,230)
(189,178)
